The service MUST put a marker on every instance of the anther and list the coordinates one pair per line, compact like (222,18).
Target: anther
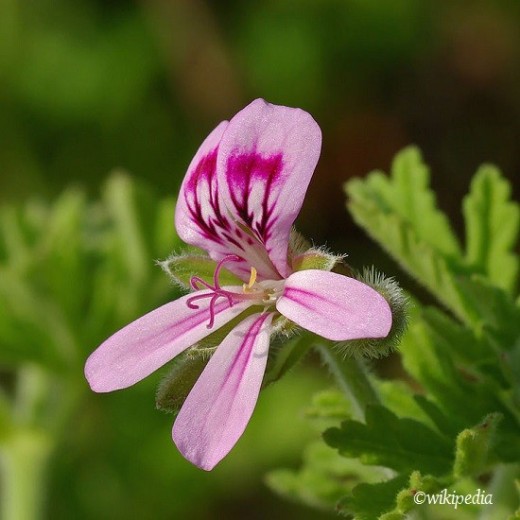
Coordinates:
(252,279)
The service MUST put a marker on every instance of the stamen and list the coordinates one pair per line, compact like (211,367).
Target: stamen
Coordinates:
(246,287)
(252,278)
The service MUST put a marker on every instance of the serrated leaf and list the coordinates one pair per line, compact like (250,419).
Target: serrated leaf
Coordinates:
(437,416)
(401,444)
(422,242)
(401,238)
(428,357)
(473,447)
(370,501)
(407,194)
(469,347)
(492,224)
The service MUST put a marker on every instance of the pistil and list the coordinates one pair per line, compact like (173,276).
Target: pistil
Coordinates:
(217,291)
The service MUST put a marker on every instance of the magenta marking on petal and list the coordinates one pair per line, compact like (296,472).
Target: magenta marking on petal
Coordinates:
(304,298)
(246,174)
(205,174)
(245,352)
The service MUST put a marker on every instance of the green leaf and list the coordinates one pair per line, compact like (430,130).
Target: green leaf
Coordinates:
(399,443)
(417,235)
(130,210)
(370,501)
(398,397)
(325,477)
(469,347)
(474,446)
(407,195)
(437,416)
(327,408)
(6,416)
(428,357)
(399,212)
(492,225)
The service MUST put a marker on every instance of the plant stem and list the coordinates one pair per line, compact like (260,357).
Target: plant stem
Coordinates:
(27,445)
(351,376)
(23,461)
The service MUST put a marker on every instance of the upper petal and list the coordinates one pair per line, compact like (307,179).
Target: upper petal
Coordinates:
(200,217)
(265,162)
(149,342)
(335,306)
(220,404)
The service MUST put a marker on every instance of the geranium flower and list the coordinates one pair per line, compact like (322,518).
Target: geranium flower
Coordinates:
(238,201)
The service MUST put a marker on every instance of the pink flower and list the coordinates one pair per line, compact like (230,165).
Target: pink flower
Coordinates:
(238,201)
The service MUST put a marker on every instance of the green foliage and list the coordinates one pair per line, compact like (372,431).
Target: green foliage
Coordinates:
(492,223)
(407,444)
(324,479)
(368,501)
(73,272)
(400,213)
(474,446)
(455,418)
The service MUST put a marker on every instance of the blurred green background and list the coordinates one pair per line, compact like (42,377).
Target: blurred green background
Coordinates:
(89,86)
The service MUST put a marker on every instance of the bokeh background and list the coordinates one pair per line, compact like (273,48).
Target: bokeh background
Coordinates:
(90,86)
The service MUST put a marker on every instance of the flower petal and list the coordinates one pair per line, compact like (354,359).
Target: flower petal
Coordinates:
(146,344)
(200,217)
(335,306)
(265,162)
(219,406)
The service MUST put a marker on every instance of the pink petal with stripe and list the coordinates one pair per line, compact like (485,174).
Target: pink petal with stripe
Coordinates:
(201,218)
(149,342)
(335,306)
(219,406)
(265,162)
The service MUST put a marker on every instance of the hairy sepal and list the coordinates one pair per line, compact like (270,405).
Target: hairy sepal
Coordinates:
(180,269)
(398,301)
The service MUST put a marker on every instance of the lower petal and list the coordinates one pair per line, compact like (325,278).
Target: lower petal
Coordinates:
(219,406)
(149,342)
(335,306)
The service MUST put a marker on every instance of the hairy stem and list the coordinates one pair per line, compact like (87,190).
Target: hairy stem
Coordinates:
(352,378)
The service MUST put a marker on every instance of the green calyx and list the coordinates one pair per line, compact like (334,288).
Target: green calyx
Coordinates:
(315,259)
